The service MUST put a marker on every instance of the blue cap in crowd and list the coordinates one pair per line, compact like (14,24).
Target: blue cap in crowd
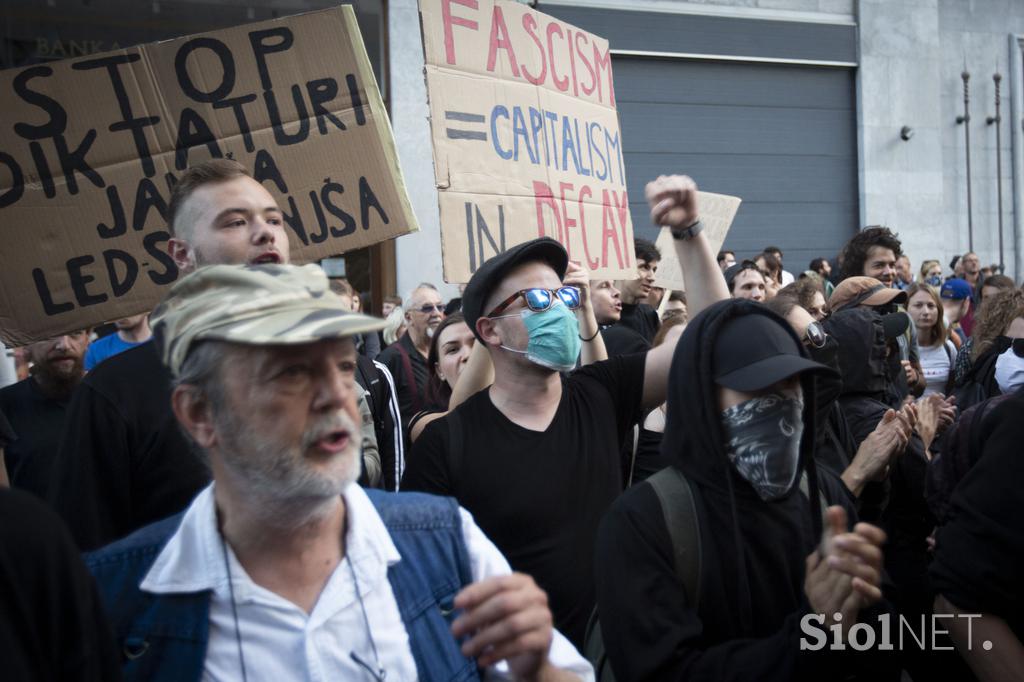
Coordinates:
(955,289)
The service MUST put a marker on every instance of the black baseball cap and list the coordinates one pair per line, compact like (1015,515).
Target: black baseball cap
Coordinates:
(752,352)
(490,274)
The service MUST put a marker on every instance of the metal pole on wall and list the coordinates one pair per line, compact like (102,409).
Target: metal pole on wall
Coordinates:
(966,120)
(997,120)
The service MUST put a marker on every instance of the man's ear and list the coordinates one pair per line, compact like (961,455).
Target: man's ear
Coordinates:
(181,253)
(487,329)
(193,411)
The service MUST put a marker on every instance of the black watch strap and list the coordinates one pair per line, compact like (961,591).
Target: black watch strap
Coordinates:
(687,232)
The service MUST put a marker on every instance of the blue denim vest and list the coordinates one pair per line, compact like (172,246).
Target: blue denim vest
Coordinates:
(163,637)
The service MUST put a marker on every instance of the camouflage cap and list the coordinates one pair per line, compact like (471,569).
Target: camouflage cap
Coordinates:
(252,305)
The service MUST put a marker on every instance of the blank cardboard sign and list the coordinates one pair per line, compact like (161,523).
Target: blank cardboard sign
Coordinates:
(90,147)
(526,136)
(717,211)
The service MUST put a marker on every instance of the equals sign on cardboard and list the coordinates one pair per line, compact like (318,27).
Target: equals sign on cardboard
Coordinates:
(465,133)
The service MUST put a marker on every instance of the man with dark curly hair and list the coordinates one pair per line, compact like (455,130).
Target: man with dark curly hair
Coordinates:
(872,252)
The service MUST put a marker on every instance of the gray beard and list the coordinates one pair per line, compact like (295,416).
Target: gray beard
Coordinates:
(284,491)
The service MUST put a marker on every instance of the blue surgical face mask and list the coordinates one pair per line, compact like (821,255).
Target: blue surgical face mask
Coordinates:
(554,337)
(934,280)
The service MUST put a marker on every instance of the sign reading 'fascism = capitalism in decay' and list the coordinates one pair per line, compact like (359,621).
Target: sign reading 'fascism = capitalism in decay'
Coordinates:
(526,136)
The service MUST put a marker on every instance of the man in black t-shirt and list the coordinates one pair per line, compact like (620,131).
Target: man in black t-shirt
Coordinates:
(636,314)
(35,408)
(607,303)
(123,462)
(535,457)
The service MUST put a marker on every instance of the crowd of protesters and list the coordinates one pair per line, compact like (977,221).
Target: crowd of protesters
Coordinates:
(771,476)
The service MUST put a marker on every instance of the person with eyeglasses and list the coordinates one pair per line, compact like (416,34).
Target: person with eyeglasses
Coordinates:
(406,359)
(536,457)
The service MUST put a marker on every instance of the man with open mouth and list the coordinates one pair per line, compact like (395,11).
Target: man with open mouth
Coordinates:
(283,567)
(123,462)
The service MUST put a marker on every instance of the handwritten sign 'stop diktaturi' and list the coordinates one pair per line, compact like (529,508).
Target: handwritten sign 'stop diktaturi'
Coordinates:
(90,147)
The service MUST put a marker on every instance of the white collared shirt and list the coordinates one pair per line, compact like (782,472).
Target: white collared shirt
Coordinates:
(279,640)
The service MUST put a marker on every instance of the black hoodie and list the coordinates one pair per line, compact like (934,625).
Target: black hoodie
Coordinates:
(906,518)
(752,552)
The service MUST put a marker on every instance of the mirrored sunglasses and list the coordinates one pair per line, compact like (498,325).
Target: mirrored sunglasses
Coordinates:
(539,299)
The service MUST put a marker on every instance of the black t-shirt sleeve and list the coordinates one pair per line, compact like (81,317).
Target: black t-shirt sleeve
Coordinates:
(623,378)
(427,468)
(93,465)
(620,340)
(649,631)
(979,555)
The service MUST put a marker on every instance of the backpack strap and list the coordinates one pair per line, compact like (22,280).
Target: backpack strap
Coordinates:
(676,499)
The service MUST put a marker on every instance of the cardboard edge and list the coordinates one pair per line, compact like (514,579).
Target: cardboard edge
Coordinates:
(376,104)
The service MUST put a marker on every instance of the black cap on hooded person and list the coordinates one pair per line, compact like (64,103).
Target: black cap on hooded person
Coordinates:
(760,546)
(862,351)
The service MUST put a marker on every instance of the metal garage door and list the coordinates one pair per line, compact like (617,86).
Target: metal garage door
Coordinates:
(780,135)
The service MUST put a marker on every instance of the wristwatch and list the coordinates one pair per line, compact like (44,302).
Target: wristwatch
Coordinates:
(687,232)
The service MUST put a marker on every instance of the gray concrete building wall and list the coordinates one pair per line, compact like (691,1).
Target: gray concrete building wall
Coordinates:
(418,255)
(912,54)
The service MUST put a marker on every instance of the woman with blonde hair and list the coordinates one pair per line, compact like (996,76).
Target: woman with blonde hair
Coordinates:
(935,346)
(396,326)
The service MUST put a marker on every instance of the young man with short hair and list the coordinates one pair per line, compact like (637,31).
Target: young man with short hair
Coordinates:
(283,567)
(745,280)
(726,259)
(607,302)
(636,314)
(123,462)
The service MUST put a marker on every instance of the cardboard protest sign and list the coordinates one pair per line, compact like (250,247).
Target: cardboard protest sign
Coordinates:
(526,136)
(90,147)
(717,211)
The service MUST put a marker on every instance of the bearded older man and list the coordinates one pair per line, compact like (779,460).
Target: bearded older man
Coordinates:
(284,568)
(36,408)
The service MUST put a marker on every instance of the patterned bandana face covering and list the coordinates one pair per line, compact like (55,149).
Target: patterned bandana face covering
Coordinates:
(763,441)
